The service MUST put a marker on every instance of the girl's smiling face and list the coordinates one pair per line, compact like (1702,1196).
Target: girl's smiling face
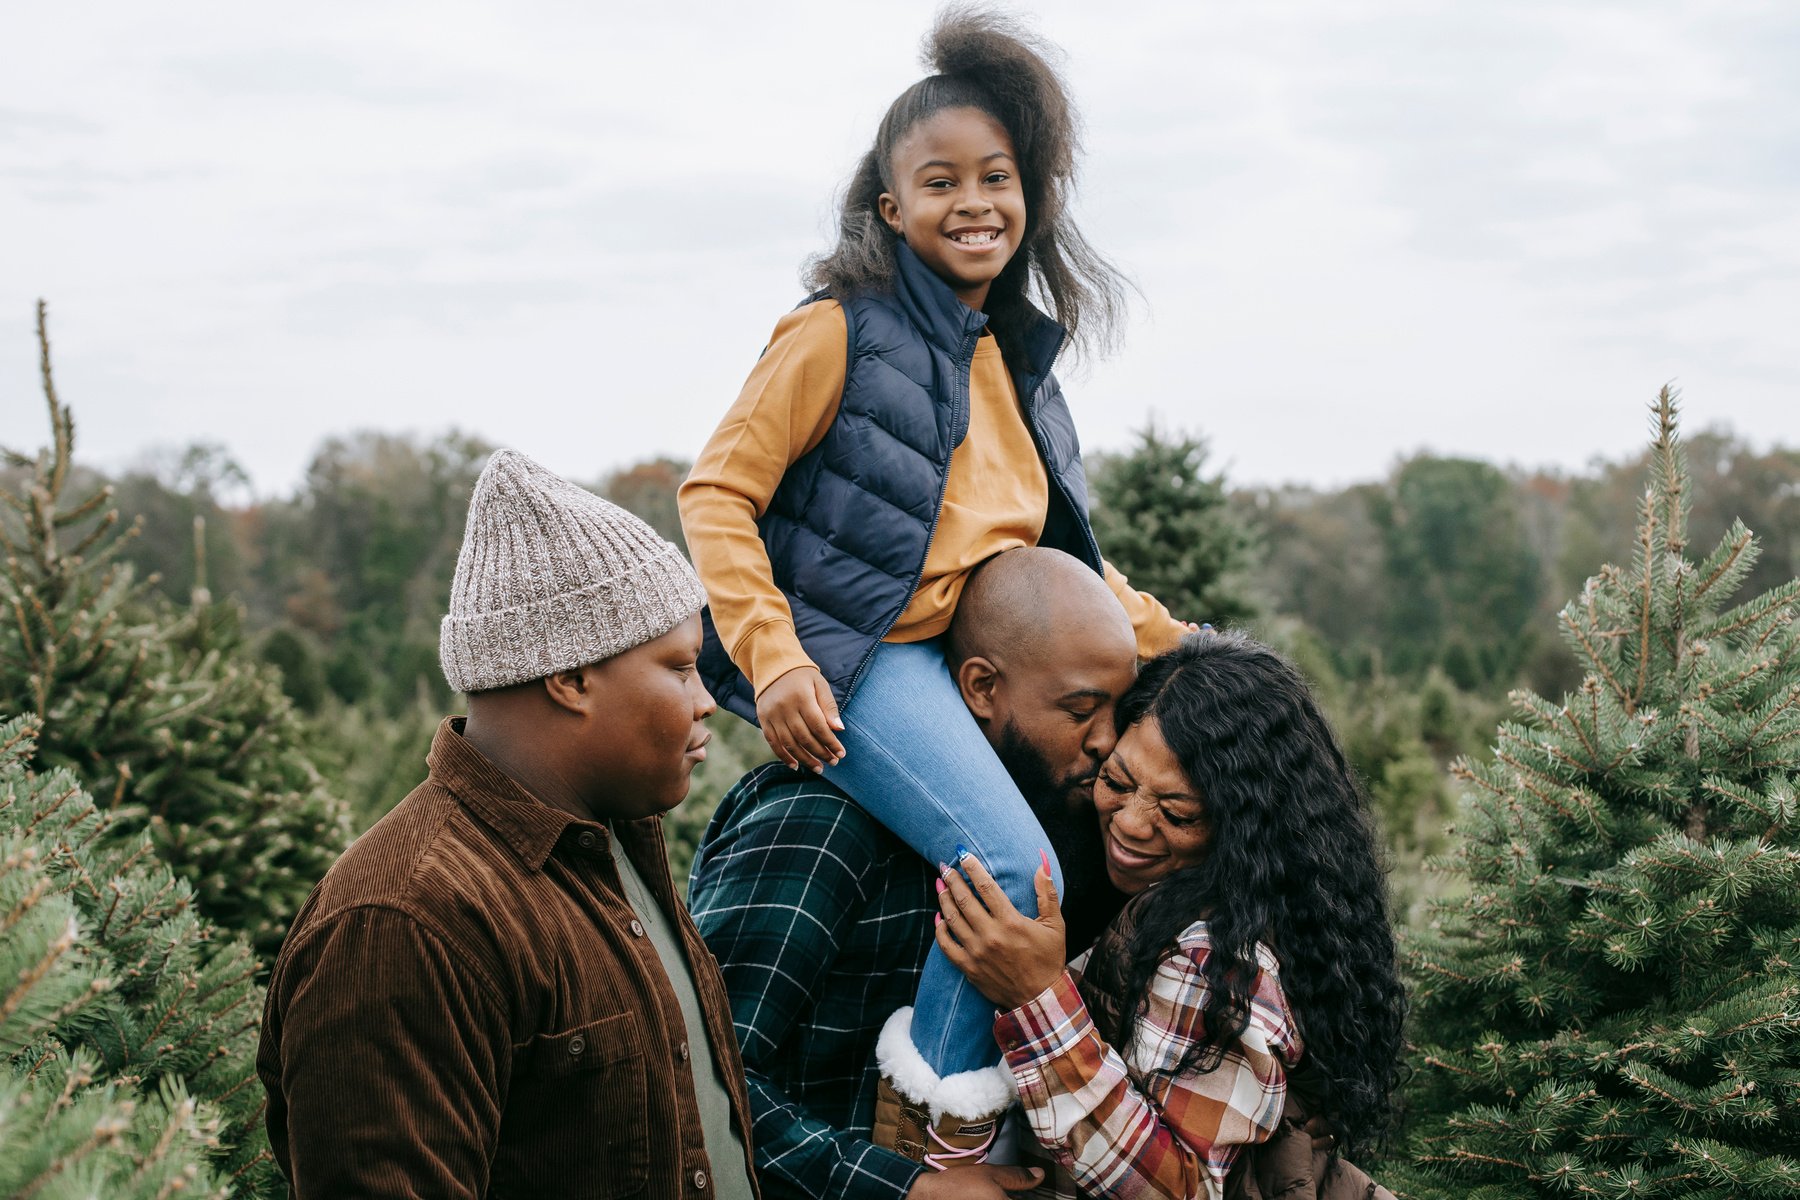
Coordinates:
(957,200)
(1152,819)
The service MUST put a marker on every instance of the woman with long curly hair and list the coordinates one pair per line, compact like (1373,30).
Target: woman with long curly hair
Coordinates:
(1253,972)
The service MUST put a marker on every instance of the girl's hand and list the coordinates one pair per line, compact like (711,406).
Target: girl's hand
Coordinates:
(1008,958)
(798,716)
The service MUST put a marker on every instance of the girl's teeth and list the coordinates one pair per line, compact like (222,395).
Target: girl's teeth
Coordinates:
(974,239)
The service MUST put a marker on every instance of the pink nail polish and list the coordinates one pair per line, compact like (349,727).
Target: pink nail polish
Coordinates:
(942,886)
(1044,857)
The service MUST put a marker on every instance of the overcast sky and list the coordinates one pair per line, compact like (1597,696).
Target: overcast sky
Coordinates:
(1361,227)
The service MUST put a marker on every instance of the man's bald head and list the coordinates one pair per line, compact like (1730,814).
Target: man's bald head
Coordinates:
(1041,649)
(1027,605)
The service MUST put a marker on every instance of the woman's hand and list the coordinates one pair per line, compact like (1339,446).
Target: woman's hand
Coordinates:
(1008,958)
(799,718)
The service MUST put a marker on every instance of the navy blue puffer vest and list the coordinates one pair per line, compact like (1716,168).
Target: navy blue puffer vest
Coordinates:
(850,523)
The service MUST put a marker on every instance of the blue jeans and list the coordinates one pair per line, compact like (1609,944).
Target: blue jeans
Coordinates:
(915,760)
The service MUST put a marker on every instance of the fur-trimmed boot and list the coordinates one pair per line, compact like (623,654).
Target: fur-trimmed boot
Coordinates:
(941,1122)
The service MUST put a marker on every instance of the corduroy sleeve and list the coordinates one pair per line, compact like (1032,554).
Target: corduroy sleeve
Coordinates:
(775,914)
(785,409)
(392,1062)
(1157,629)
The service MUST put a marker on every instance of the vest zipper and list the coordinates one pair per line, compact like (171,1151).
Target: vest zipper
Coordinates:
(959,429)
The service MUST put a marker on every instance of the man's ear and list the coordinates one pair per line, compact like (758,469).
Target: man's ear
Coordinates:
(976,680)
(571,690)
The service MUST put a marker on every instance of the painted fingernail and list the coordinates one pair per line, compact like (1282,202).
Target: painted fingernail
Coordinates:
(940,917)
(1205,625)
(1044,857)
(962,852)
(942,886)
(943,869)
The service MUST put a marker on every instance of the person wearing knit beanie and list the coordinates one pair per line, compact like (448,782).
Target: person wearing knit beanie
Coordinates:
(496,990)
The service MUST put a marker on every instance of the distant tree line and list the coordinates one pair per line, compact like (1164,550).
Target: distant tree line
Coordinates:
(1447,563)
(1414,602)
(1457,564)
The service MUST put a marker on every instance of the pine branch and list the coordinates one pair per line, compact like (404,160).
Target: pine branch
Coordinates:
(106,1131)
(1646,605)
(1781,621)
(1761,666)
(176,1119)
(18,735)
(85,509)
(32,975)
(1740,542)
(1671,472)
(29,900)
(1469,1156)
(1787,705)
(1595,657)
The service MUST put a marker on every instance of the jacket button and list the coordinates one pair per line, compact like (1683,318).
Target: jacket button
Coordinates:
(681,1052)
(700,1180)
(637,929)
(577,1044)
(586,840)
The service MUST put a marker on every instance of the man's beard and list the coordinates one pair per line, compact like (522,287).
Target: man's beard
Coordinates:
(1089,900)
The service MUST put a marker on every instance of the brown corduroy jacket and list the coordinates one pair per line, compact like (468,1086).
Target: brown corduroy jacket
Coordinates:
(467,1007)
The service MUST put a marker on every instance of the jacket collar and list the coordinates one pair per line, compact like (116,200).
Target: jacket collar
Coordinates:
(947,322)
(1042,340)
(526,824)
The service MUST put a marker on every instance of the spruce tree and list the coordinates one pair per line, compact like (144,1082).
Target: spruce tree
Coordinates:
(1169,527)
(128,1023)
(1613,1008)
(158,709)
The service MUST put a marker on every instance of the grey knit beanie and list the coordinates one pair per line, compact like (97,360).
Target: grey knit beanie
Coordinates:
(551,577)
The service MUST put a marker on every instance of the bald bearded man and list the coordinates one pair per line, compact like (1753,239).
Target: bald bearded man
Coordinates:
(821,919)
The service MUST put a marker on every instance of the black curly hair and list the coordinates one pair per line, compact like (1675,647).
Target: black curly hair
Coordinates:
(986,60)
(1292,862)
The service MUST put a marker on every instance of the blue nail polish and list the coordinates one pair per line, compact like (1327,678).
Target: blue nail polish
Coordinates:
(962,852)
(1205,626)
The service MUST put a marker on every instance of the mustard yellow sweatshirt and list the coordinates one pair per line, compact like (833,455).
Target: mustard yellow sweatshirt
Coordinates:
(996,497)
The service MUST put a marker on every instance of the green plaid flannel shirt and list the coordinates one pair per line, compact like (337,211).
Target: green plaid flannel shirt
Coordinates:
(820,919)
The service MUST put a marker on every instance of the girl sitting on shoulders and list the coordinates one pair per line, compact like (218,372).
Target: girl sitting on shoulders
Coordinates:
(903,426)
